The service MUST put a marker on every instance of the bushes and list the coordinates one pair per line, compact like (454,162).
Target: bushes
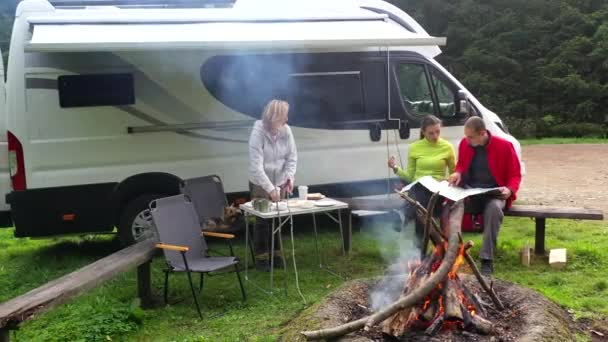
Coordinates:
(548,126)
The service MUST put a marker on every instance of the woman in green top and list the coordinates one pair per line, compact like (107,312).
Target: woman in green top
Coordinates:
(429,156)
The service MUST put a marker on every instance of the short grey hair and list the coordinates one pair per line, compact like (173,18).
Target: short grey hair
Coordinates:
(476,124)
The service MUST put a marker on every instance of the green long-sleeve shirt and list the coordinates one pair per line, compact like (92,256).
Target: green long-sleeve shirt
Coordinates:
(428,159)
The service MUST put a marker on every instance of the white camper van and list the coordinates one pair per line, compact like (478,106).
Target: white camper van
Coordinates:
(108,107)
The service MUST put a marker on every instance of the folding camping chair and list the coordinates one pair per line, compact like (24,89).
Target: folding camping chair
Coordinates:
(209,199)
(183,245)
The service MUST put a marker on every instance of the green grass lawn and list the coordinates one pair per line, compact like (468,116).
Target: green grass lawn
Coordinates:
(553,141)
(110,312)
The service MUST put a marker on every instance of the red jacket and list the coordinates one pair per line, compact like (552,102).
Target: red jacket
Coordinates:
(502,161)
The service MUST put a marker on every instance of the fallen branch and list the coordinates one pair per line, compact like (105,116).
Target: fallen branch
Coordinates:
(403,303)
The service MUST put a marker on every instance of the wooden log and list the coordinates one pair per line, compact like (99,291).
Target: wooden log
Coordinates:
(404,302)
(431,311)
(482,325)
(475,301)
(451,302)
(427,224)
(434,327)
(60,290)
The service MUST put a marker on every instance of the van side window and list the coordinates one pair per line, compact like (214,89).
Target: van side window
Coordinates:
(96,90)
(445,96)
(415,90)
(325,97)
(321,91)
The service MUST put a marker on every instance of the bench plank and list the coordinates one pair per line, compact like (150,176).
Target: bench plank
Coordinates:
(541,211)
(60,290)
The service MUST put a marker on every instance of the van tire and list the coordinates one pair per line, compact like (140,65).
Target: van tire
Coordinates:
(132,226)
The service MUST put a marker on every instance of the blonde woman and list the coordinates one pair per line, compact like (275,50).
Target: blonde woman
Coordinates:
(272,167)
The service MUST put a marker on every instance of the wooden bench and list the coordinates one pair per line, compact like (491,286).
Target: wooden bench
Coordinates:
(540,213)
(58,291)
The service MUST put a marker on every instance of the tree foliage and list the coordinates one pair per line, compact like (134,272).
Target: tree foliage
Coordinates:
(526,59)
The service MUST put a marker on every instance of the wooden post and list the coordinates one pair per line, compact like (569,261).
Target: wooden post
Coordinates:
(5,334)
(144,289)
(539,244)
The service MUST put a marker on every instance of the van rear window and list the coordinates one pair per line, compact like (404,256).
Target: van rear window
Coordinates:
(96,90)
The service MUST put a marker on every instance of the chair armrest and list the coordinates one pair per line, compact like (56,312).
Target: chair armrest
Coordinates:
(219,235)
(172,247)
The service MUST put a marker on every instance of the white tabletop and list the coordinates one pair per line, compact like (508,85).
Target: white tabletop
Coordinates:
(292,211)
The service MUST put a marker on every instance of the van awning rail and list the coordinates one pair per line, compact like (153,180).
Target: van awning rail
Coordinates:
(219,36)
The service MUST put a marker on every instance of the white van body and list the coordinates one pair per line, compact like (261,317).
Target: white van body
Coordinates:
(109,107)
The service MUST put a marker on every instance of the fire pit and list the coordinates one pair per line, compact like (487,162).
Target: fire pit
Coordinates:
(435,302)
(528,316)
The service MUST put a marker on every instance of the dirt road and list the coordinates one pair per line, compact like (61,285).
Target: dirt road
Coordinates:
(566,175)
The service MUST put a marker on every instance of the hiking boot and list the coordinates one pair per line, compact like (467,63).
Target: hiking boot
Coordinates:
(487,268)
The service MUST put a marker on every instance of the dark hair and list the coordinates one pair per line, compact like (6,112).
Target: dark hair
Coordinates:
(429,120)
(476,124)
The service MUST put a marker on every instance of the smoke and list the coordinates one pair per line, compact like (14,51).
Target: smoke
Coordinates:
(391,286)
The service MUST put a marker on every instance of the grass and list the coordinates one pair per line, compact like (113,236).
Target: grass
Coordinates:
(110,312)
(554,141)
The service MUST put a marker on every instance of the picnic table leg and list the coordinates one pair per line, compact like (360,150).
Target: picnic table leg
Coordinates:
(539,244)
(347,233)
(4,334)
(144,290)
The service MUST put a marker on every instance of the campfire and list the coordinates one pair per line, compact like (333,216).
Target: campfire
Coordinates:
(450,305)
(434,298)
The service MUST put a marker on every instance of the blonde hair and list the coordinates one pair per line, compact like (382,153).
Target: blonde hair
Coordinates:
(274,111)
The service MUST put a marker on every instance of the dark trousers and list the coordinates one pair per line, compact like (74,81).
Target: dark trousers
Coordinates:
(262,229)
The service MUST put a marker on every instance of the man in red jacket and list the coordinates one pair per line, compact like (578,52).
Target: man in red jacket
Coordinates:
(486,161)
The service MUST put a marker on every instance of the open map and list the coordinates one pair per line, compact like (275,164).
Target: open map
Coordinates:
(454,193)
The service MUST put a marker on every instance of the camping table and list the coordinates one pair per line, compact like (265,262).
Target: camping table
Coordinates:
(281,218)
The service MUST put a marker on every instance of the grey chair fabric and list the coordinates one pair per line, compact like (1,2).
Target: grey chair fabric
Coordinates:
(176,222)
(209,199)
(207,195)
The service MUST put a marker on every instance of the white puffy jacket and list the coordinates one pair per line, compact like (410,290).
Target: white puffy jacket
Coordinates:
(271,163)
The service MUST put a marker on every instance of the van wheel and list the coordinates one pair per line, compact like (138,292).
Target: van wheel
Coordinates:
(135,223)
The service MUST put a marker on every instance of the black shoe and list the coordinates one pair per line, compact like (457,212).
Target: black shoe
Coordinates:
(487,268)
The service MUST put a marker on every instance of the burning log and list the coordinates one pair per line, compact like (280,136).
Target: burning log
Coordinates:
(405,302)
(452,302)
(435,327)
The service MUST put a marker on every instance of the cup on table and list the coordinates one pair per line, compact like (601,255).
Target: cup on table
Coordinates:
(302,192)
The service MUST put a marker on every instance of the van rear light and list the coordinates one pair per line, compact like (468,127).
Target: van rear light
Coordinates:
(16,162)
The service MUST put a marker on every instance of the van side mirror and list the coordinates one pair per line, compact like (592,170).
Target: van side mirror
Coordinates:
(462,104)
(404,130)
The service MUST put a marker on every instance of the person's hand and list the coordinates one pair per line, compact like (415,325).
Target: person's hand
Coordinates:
(288,186)
(454,178)
(392,162)
(274,195)
(505,192)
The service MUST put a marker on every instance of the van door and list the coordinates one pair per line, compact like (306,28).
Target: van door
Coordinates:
(5,185)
